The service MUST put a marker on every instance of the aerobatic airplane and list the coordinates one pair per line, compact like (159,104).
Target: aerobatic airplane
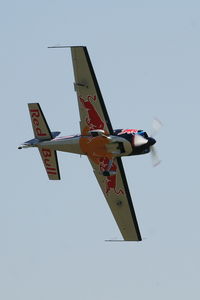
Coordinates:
(103,146)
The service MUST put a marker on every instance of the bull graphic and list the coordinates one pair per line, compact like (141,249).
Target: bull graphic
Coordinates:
(111,181)
(93,119)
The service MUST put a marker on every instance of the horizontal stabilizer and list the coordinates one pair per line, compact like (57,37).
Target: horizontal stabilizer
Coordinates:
(55,134)
(50,161)
(40,127)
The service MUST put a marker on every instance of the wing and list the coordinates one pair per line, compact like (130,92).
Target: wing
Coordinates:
(116,192)
(93,113)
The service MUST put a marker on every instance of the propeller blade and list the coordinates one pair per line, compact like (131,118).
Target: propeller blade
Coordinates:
(155,159)
(157,124)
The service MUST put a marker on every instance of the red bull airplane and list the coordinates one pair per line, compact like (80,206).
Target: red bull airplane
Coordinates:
(103,146)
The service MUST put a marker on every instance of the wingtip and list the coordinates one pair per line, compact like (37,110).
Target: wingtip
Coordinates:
(66,46)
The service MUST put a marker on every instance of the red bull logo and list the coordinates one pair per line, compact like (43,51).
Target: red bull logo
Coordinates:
(95,147)
(46,156)
(35,116)
(111,181)
(93,120)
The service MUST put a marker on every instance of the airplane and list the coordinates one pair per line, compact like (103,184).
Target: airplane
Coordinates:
(103,146)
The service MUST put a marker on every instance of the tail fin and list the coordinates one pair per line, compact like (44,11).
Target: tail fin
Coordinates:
(40,127)
(42,132)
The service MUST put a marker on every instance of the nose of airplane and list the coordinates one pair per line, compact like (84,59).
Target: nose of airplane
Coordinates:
(139,140)
(151,141)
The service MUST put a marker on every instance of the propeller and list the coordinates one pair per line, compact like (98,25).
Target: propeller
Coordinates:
(157,124)
(154,156)
(140,140)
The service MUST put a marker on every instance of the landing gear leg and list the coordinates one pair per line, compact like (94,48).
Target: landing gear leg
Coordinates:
(108,171)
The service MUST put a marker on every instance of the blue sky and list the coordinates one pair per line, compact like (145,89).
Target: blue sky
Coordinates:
(146,58)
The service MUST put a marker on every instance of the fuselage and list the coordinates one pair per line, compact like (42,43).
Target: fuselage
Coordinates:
(123,142)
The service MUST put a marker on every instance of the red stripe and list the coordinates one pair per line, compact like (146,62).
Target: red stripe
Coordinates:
(52,173)
(51,169)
